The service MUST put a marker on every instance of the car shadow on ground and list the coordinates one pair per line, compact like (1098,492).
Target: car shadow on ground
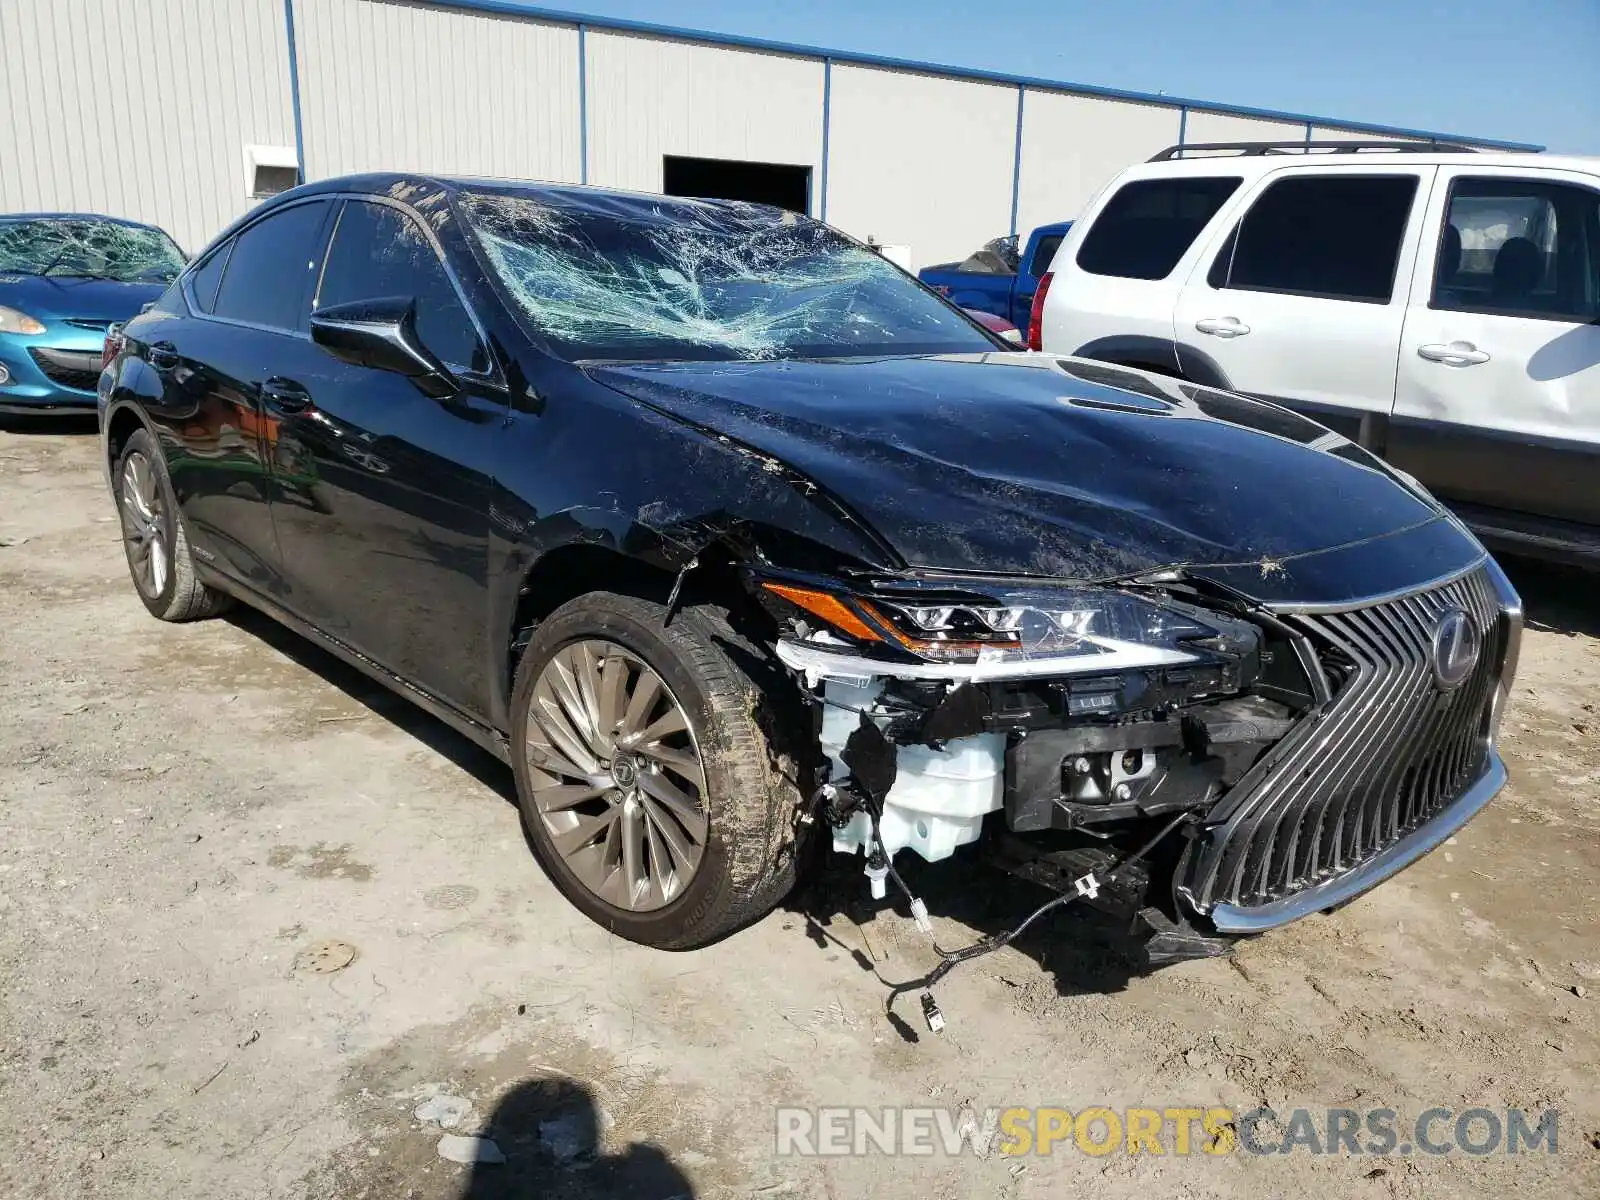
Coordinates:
(1556,598)
(550,1131)
(50,424)
(397,710)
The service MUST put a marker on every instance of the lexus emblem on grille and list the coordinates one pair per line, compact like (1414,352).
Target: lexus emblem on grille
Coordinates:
(1456,644)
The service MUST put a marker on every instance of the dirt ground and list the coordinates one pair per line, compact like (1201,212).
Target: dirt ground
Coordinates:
(196,822)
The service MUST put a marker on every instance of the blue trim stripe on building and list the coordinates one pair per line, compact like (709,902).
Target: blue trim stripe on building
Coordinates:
(294,91)
(1016,162)
(738,41)
(827,116)
(583,104)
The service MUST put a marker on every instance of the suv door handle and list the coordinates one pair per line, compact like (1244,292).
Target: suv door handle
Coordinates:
(285,395)
(1456,354)
(1223,327)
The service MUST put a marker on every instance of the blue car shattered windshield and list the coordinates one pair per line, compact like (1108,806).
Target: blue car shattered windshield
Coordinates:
(86,248)
(704,281)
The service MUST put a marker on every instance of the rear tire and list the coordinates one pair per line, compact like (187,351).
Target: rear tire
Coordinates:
(713,849)
(153,537)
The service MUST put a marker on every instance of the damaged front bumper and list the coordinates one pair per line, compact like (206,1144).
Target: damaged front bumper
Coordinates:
(1313,764)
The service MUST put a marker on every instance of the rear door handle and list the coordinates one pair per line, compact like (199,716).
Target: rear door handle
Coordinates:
(1456,354)
(1223,327)
(285,395)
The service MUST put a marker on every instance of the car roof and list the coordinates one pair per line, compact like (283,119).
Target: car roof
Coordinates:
(413,187)
(1250,165)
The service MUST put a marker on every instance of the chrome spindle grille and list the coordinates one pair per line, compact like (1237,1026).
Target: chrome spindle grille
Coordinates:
(1390,751)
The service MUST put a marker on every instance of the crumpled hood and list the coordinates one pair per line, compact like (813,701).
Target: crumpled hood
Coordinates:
(1034,465)
(62,297)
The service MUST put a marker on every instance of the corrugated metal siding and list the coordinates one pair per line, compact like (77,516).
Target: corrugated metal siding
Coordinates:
(650,97)
(141,110)
(921,161)
(410,87)
(1222,127)
(1072,146)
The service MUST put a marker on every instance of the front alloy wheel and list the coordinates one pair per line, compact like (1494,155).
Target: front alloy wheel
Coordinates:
(144,526)
(616,776)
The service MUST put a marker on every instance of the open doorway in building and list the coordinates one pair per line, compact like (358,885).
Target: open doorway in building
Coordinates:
(729,179)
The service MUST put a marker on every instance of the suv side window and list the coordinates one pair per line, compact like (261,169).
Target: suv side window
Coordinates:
(1147,226)
(203,283)
(1520,247)
(1335,237)
(264,282)
(380,251)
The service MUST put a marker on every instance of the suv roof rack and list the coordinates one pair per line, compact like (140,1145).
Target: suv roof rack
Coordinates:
(1254,149)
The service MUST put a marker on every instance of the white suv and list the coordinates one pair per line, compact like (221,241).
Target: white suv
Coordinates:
(1441,307)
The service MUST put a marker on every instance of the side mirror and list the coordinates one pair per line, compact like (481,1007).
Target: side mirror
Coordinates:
(382,334)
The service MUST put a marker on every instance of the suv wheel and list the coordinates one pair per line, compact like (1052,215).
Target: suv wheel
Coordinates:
(154,540)
(649,792)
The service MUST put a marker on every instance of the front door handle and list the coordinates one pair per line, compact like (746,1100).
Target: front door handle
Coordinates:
(1222,327)
(1456,354)
(285,395)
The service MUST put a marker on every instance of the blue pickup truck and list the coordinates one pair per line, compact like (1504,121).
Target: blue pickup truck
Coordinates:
(999,278)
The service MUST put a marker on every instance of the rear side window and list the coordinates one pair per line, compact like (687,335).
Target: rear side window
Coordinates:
(267,278)
(1336,237)
(1148,225)
(1520,247)
(1044,254)
(379,251)
(203,283)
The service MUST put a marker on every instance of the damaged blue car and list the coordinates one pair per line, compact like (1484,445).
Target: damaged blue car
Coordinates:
(735,541)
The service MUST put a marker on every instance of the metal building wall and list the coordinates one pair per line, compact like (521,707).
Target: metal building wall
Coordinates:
(140,110)
(390,86)
(920,160)
(649,97)
(1203,126)
(1073,145)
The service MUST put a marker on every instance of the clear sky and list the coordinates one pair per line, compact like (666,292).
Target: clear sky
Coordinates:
(1522,70)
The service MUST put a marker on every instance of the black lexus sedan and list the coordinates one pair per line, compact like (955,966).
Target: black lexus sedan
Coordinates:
(733,540)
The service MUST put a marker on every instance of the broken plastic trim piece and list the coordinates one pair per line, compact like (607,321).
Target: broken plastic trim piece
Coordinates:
(817,664)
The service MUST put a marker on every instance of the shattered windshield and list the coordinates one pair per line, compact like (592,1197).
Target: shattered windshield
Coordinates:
(73,246)
(704,281)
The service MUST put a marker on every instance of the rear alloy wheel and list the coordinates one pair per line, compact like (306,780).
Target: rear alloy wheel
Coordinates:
(154,540)
(648,786)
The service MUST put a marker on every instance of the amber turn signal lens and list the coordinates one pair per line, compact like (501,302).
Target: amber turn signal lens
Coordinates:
(827,607)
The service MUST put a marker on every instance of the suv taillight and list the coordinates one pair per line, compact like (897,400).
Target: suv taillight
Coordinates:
(1036,313)
(113,345)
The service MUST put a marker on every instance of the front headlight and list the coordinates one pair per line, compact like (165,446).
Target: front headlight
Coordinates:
(1074,629)
(12,321)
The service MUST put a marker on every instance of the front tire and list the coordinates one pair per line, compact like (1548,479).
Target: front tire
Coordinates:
(651,794)
(154,540)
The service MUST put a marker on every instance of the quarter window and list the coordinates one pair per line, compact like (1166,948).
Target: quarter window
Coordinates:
(1336,237)
(268,273)
(1148,225)
(379,251)
(1520,247)
(203,283)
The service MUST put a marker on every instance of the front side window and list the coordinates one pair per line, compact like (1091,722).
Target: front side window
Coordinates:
(1044,253)
(686,281)
(1148,225)
(1335,237)
(379,251)
(1520,247)
(86,248)
(267,277)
